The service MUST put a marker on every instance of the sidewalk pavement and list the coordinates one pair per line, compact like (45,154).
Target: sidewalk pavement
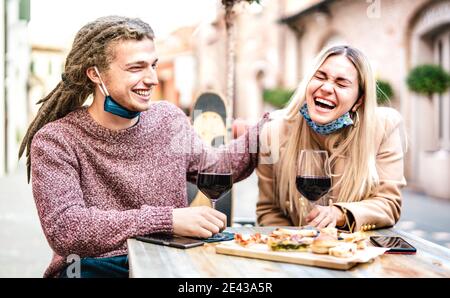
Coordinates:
(24,251)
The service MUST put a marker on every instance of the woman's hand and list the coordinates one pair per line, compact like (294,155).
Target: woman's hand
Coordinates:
(324,216)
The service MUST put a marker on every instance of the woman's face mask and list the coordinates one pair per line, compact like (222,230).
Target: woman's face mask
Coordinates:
(113,106)
(328,128)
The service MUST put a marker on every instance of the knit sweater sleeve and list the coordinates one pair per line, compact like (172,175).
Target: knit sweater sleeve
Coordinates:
(70,226)
(243,152)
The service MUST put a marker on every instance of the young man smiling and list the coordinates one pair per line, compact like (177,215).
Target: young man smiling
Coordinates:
(114,170)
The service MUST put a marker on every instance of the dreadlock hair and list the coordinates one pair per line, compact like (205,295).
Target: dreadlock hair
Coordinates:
(92,46)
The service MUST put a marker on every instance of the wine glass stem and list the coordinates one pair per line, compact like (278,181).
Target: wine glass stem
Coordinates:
(213,203)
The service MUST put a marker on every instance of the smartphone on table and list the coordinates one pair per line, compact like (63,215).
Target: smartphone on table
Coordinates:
(396,245)
(171,240)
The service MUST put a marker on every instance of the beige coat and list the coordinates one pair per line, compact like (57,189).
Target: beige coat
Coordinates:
(378,211)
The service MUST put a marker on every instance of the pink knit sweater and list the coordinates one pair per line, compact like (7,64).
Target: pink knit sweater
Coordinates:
(94,188)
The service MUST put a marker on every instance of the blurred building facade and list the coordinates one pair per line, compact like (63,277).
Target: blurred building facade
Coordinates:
(46,66)
(176,68)
(396,36)
(274,44)
(428,41)
(260,56)
(2,88)
(276,41)
(255,46)
(15,54)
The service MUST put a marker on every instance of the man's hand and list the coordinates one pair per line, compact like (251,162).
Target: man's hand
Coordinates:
(201,222)
(324,216)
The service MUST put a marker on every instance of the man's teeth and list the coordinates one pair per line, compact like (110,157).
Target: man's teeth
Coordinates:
(325,102)
(144,93)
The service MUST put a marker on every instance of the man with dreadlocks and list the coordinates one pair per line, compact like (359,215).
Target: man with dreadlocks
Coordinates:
(111,171)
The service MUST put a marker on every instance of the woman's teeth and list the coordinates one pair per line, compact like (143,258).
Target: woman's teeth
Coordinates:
(323,103)
(144,93)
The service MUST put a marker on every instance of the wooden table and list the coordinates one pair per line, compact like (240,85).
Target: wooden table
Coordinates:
(150,260)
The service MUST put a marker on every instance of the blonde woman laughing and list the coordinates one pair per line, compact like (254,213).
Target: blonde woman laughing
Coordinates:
(334,109)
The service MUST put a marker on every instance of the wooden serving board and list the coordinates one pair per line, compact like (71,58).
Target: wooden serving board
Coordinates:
(262,251)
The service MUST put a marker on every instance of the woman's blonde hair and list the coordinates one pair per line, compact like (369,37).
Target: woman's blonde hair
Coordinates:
(355,143)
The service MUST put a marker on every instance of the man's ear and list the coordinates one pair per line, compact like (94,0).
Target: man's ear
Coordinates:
(358,103)
(92,75)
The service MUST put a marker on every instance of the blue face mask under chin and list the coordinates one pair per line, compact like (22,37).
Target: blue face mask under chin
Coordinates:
(328,128)
(113,106)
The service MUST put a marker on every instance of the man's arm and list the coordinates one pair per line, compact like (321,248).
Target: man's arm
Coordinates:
(69,225)
(243,152)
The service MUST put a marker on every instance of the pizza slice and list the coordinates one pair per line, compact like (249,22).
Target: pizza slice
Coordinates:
(246,240)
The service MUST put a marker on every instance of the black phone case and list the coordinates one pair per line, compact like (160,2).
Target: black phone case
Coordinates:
(171,241)
(225,236)
(395,250)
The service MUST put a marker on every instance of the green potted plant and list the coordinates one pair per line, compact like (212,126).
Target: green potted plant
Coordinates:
(428,79)
(384,92)
(277,97)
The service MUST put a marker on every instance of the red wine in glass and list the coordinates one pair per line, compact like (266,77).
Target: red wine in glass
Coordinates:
(214,185)
(215,176)
(313,187)
(313,179)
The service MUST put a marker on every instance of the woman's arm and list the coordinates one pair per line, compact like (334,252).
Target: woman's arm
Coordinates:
(383,208)
(69,225)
